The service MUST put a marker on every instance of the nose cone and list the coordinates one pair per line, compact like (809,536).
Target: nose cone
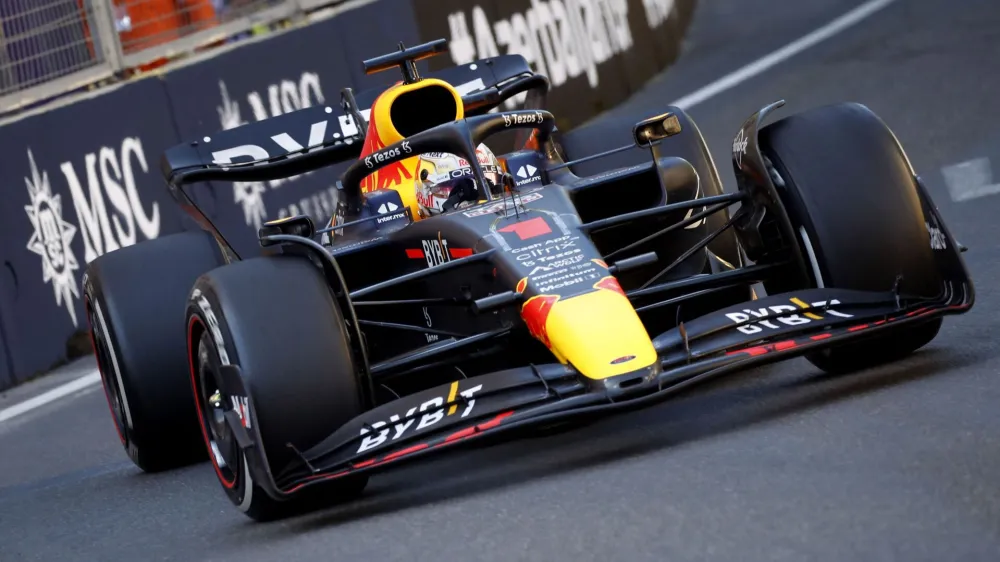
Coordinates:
(597,332)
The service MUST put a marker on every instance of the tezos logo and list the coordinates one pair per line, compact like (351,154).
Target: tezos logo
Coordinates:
(521,118)
(379,157)
(433,412)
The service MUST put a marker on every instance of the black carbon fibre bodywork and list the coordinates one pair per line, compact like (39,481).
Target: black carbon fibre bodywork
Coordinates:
(539,394)
(433,306)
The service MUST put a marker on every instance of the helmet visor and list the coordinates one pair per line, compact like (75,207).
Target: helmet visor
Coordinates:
(452,189)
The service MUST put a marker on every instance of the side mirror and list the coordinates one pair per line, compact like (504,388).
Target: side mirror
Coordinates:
(654,129)
(298,225)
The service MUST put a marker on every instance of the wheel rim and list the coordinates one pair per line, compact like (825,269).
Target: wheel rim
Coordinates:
(223,448)
(104,362)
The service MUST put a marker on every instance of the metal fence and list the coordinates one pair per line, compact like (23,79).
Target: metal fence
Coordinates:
(52,47)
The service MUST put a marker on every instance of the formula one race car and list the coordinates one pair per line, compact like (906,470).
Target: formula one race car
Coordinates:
(418,320)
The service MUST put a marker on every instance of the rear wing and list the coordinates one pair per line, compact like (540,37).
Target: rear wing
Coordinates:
(320,136)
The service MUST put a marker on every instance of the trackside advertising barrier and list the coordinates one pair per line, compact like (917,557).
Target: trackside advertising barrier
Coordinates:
(79,181)
(83,179)
(595,52)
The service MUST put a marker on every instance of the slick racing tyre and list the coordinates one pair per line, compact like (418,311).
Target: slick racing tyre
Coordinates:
(275,319)
(135,299)
(852,198)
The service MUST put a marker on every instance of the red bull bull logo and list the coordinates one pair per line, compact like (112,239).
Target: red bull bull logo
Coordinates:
(393,174)
(535,312)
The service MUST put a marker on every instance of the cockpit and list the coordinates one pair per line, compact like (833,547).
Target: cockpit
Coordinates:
(447,182)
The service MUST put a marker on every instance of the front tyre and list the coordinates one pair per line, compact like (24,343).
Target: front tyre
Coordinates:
(853,200)
(275,319)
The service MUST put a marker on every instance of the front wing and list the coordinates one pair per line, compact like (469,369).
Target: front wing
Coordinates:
(759,331)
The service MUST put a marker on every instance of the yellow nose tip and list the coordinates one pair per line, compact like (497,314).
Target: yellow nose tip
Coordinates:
(599,333)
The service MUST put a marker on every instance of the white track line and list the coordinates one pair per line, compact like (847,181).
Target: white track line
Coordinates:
(788,51)
(715,88)
(970,179)
(56,393)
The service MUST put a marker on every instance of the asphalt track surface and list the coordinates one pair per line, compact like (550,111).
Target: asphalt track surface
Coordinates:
(782,463)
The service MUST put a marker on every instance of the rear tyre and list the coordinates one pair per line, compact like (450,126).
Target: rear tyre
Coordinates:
(134,299)
(852,198)
(276,319)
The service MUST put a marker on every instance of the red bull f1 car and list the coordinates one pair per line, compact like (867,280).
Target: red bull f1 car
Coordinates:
(354,343)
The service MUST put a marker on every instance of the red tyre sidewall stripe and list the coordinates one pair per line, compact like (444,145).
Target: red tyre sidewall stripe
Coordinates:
(229,484)
(107,394)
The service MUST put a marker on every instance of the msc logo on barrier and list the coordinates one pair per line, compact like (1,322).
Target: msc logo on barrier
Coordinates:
(51,238)
(102,229)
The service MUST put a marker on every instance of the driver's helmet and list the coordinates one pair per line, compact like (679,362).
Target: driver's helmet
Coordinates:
(448,182)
